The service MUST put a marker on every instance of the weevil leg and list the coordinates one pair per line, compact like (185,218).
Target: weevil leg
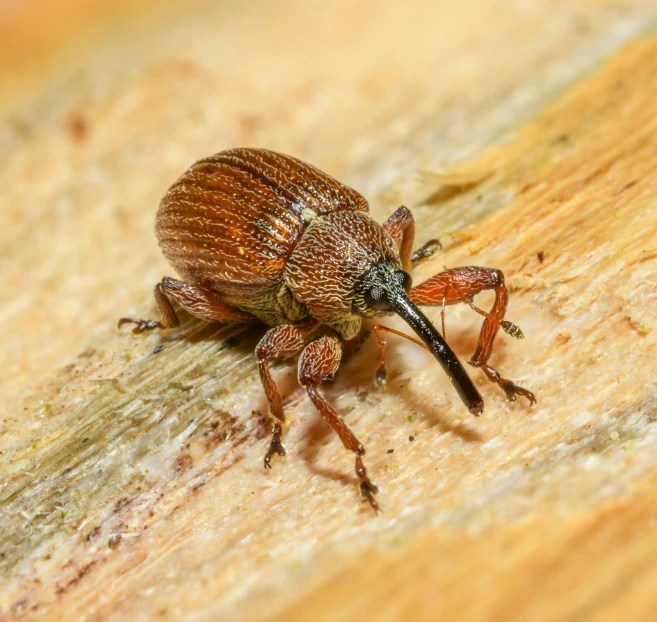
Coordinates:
(353,345)
(198,301)
(381,374)
(280,342)
(510,389)
(400,226)
(426,250)
(318,362)
(460,285)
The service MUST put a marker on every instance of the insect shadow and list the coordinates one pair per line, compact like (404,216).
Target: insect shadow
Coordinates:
(357,377)
(397,384)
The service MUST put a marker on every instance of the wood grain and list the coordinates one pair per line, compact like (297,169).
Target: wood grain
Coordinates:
(131,484)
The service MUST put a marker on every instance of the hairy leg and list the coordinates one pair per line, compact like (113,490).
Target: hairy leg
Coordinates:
(319,361)
(461,285)
(199,302)
(280,342)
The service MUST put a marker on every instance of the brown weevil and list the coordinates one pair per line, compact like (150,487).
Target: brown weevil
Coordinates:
(261,236)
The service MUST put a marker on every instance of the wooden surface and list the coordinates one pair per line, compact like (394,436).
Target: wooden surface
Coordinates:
(131,480)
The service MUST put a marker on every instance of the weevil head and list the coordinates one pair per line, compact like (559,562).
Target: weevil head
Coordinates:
(345,268)
(379,290)
(332,259)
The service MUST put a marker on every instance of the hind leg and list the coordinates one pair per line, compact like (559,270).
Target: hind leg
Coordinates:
(198,301)
(319,361)
(280,342)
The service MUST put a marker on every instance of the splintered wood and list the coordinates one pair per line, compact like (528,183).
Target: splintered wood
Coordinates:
(131,479)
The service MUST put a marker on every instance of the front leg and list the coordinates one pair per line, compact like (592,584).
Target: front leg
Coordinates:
(318,362)
(461,285)
(280,342)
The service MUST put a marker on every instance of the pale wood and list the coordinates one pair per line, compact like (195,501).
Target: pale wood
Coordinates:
(131,480)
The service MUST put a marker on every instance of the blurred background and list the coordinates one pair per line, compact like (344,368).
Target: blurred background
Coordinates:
(509,127)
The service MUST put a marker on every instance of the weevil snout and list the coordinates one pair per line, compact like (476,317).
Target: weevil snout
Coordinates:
(382,292)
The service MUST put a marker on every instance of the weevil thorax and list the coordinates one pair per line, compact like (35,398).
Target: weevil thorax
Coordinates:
(325,270)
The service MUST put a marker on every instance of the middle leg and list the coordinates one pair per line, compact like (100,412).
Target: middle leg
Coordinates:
(381,374)
(319,361)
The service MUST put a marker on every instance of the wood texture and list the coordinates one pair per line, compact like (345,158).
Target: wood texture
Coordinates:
(131,481)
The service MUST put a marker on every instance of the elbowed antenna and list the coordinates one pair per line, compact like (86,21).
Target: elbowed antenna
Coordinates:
(408,311)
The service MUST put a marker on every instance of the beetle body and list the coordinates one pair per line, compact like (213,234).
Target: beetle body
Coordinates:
(232,222)
(257,235)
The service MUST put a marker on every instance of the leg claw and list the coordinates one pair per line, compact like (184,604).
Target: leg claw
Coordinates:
(426,251)
(367,491)
(512,391)
(275,447)
(367,487)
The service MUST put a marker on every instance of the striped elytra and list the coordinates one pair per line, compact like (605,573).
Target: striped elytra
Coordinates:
(260,236)
(231,222)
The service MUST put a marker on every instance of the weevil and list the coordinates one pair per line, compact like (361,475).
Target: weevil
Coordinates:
(259,236)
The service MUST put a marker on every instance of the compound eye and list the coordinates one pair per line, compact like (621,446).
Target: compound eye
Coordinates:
(376,299)
(405,280)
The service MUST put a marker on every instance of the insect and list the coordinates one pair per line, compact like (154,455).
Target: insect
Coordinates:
(261,236)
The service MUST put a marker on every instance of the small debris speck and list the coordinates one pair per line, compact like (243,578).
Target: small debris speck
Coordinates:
(614,436)
(390,451)
(411,438)
(158,349)
(77,126)
(410,418)
(540,256)
(114,541)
